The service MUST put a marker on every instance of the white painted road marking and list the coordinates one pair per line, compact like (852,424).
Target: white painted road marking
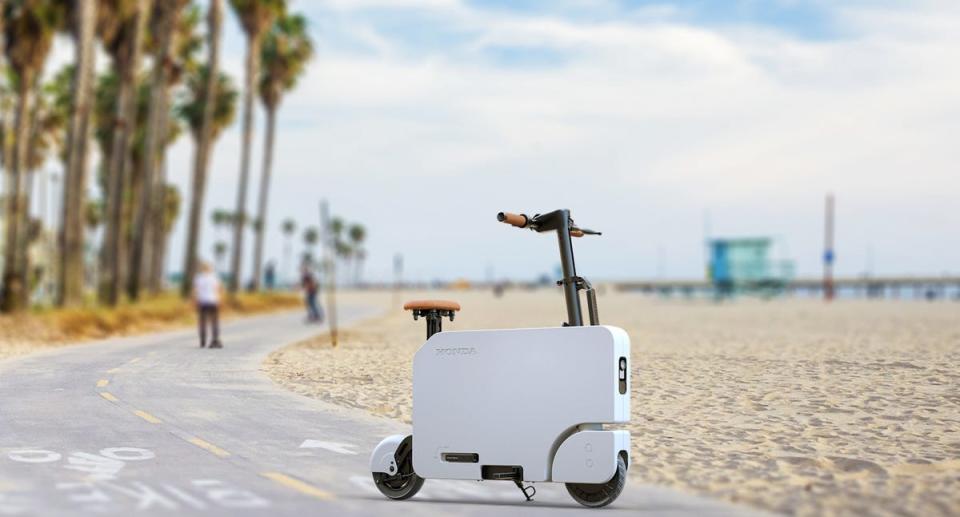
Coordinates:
(104,466)
(337,447)
(98,467)
(201,494)
(128,453)
(34,456)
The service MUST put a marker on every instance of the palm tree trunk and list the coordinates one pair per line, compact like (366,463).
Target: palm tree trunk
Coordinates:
(158,232)
(71,278)
(204,143)
(4,128)
(3,148)
(32,178)
(147,210)
(11,297)
(286,260)
(253,73)
(111,254)
(264,195)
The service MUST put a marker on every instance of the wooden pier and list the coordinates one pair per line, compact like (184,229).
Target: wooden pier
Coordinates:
(930,288)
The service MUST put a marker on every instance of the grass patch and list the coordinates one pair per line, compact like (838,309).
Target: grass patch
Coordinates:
(162,311)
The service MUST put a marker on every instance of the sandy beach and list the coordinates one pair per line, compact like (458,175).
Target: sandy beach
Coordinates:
(792,406)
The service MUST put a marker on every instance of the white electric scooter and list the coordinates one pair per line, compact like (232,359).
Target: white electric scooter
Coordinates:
(523,405)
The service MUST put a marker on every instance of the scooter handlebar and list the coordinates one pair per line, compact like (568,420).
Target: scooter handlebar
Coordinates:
(524,221)
(518,220)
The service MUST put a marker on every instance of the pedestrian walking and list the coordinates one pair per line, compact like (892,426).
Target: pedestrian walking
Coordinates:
(207,293)
(311,289)
(270,276)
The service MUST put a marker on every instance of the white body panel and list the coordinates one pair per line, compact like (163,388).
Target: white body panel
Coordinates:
(512,397)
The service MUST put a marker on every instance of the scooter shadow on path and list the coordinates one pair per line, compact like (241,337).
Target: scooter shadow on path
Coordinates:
(519,503)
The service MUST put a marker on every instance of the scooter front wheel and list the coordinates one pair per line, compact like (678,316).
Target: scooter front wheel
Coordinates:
(398,487)
(600,494)
(405,483)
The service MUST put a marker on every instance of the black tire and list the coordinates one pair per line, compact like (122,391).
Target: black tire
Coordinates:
(600,494)
(405,483)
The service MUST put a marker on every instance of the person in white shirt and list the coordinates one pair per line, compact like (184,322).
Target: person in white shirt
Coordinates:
(207,292)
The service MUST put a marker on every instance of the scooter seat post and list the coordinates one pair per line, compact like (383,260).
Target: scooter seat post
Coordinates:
(434,319)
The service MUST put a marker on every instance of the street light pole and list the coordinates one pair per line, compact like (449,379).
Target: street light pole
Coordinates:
(828,253)
(330,270)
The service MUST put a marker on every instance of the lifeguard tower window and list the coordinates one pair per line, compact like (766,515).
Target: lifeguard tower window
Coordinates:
(745,265)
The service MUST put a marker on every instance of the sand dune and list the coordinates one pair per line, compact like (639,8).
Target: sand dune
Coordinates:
(792,406)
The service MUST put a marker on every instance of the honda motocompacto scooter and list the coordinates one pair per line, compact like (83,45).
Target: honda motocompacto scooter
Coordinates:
(521,405)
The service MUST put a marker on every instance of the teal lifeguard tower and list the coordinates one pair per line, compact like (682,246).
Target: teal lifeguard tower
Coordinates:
(745,265)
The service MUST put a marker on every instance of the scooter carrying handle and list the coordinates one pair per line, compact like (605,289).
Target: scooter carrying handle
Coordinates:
(518,220)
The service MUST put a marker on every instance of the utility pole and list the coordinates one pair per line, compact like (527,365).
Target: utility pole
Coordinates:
(330,270)
(397,279)
(828,253)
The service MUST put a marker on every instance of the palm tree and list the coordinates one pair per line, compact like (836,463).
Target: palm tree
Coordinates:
(51,112)
(204,130)
(29,28)
(162,25)
(310,237)
(105,107)
(357,234)
(2,36)
(7,105)
(289,227)
(219,217)
(123,23)
(255,17)
(169,213)
(219,252)
(336,228)
(93,215)
(5,95)
(48,120)
(187,42)
(74,186)
(285,52)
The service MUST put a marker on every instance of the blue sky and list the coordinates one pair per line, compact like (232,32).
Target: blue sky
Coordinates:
(645,118)
(804,18)
(426,29)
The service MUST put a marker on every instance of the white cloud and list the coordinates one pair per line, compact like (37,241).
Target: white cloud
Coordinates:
(641,128)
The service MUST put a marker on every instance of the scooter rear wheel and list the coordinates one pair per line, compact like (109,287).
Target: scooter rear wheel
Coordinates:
(600,494)
(405,483)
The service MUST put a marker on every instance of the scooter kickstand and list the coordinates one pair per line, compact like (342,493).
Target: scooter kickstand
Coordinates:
(528,491)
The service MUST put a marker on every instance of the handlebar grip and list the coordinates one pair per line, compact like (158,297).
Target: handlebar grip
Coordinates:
(518,220)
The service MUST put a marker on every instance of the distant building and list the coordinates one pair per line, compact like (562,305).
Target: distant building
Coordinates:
(746,265)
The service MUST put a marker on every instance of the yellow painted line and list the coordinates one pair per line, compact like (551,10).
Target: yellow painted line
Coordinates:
(102,382)
(209,447)
(109,396)
(113,370)
(135,359)
(299,486)
(148,417)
